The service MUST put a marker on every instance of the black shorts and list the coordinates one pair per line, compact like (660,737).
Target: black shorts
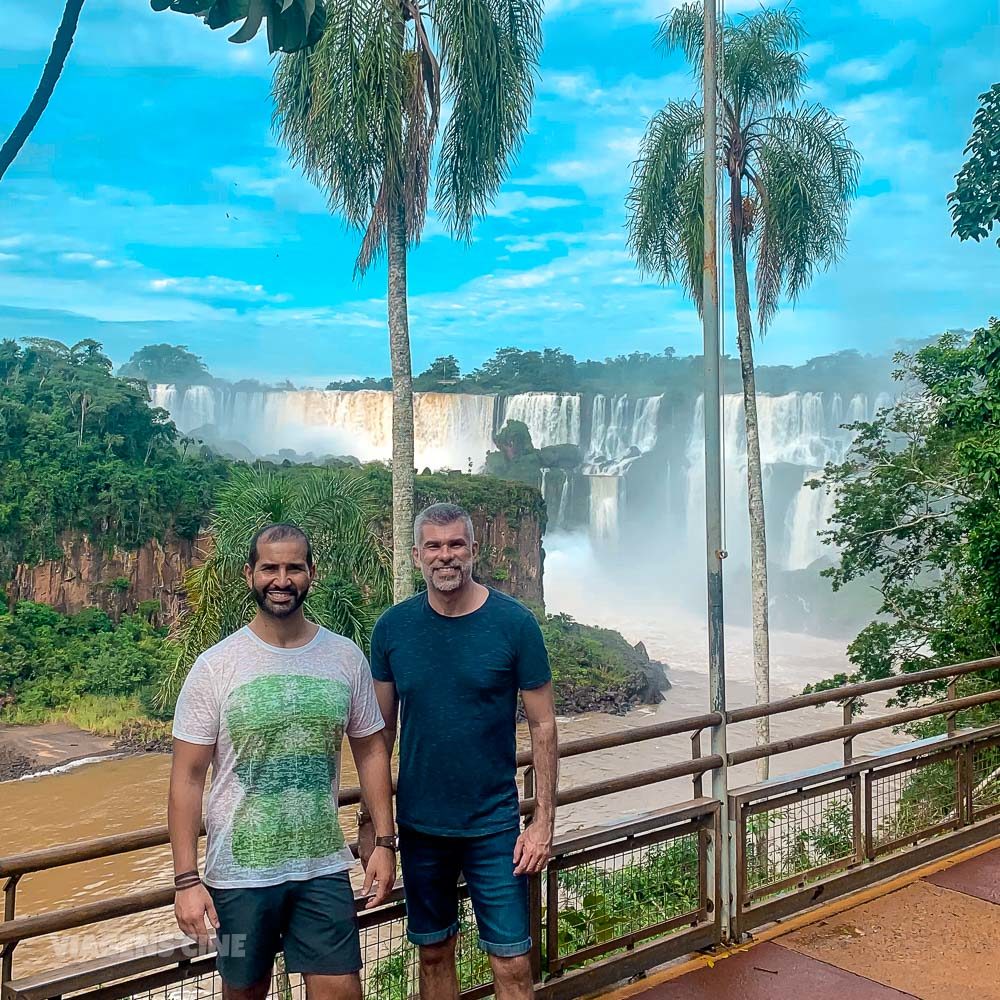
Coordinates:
(314,922)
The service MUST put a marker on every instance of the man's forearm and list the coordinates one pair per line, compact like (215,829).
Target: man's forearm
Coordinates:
(545,754)
(376,786)
(184,821)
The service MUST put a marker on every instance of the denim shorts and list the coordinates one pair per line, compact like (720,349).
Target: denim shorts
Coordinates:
(313,921)
(431,867)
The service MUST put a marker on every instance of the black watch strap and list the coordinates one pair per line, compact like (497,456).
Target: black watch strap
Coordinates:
(389,842)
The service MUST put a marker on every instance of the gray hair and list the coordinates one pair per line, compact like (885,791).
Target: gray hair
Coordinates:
(441,514)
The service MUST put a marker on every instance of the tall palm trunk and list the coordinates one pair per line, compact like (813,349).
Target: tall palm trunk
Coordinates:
(402,410)
(755,484)
(46,85)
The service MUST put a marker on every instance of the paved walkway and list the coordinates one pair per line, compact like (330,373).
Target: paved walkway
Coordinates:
(937,938)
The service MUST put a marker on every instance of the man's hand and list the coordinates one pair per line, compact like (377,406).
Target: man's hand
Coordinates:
(533,848)
(366,841)
(380,876)
(191,906)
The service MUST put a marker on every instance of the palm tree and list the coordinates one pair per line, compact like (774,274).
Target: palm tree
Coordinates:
(360,114)
(61,45)
(338,510)
(791,173)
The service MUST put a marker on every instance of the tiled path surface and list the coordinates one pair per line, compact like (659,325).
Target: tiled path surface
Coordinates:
(935,939)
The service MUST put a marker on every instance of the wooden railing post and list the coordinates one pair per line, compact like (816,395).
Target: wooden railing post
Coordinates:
(952,695)
(848,740)
(534,890)
(9,912)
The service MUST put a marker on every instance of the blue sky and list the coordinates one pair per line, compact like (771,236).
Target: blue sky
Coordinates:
(153,204)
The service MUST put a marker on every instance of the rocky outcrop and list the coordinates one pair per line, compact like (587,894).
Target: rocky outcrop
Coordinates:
(117,581)
(510,554)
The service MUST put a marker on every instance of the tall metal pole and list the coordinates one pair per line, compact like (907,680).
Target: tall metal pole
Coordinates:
(713,460)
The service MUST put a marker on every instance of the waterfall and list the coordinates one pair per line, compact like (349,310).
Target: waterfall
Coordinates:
(621,430)
(799,434)
(605,501)
(451,428)
(552,418)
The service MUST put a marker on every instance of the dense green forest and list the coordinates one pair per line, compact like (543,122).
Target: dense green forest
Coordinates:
(82,450)
(918,513)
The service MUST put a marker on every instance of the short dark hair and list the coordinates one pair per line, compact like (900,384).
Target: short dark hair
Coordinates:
(440,514)
(279,532)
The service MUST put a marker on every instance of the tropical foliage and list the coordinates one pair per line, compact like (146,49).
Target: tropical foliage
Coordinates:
(166,363)
(975,202)
(339,512)
(291,24)
(82,450)
(789,176)
(918,512)
(78,664)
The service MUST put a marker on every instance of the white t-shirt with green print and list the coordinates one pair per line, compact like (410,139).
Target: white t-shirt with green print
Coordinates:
(277,718)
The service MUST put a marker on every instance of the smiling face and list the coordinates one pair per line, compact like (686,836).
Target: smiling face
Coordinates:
(445,554)
(281,577)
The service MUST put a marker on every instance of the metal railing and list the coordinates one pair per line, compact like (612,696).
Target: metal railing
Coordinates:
(616,900)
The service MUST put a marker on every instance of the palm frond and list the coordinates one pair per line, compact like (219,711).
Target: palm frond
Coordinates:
(489,53)
(805,174)
(763,67)
(339,109)
(666,200)
(338,510)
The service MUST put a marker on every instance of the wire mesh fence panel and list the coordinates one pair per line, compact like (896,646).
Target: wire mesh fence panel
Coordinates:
(985,779)
(392,970)
(797,837)
(913,801)
(612,902)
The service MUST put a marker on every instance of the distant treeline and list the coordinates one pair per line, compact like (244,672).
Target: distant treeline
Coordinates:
(512,370)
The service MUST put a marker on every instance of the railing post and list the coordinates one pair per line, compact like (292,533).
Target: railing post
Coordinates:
(848,740)
(952,695)
(534,892)
(698,780)
(9,909)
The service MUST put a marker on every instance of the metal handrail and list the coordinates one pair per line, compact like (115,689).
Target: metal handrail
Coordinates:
(848,691)
(855,728)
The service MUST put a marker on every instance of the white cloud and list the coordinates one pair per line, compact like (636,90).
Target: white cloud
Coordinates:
(79,257)
(514,204)
(867,70)
(214,287)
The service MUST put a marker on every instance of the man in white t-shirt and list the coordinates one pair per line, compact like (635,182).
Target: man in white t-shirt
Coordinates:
(268,708)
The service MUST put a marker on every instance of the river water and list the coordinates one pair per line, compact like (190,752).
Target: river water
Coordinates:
(126,794)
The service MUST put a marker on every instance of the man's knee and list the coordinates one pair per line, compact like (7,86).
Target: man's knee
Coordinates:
(512,969)
(434,956)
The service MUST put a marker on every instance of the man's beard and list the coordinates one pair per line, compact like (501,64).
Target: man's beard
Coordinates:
(446,582)
(279,610)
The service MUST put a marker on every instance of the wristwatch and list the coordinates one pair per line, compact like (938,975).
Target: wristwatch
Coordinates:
(387,842)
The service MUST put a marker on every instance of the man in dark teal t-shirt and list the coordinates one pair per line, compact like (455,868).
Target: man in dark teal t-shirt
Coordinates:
(450,663)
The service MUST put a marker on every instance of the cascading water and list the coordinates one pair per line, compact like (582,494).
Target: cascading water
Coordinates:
(551,418)
(800,433)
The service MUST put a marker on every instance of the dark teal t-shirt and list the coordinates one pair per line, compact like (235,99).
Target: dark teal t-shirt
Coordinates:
(457,680)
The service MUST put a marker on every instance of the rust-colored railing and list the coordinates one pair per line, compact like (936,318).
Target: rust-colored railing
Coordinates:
(620,898)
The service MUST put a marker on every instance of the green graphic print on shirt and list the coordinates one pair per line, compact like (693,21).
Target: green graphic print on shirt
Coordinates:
(286,731)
